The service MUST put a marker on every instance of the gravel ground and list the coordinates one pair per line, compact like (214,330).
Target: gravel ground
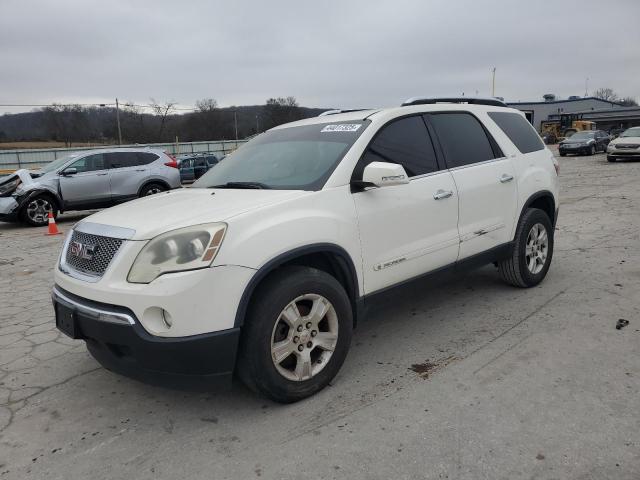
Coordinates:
(470,379)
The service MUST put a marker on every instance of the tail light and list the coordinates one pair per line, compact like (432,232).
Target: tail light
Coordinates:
(173,163)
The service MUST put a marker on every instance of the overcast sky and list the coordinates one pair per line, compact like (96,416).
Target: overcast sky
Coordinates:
(325,53)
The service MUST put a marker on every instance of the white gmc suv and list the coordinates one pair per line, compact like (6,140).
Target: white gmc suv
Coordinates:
(264,267)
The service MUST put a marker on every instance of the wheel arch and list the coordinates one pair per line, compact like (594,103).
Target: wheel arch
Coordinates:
(151,181)
(545,201)
(34,192)
(327,257)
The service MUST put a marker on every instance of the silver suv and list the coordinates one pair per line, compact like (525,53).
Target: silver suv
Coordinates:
(84,181)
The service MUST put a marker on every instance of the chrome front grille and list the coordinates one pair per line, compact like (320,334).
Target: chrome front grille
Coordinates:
(626,145)
(91,254)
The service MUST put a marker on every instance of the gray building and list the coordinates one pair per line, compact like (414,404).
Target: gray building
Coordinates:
(550,108)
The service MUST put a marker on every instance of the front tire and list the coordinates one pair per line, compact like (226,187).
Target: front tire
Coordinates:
(296,334)
(532,251)
(592,150)
(610,159)
(36,211)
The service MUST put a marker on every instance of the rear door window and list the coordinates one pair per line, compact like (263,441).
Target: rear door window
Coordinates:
(463,139)
(519,131)
(122,159)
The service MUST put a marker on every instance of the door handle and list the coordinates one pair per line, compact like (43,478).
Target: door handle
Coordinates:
(101,174)
(139,169)
(506,178)
(440,194)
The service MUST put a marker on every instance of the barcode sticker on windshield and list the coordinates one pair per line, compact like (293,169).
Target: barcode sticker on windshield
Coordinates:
(343,127)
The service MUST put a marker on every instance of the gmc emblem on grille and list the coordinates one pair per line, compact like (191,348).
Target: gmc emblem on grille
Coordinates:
(84,251)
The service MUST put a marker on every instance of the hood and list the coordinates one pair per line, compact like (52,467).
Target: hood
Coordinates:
(25,176)
(577,140)
(626,140)
(156,214)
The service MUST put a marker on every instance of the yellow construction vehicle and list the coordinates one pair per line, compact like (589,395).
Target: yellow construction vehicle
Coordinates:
(565,126)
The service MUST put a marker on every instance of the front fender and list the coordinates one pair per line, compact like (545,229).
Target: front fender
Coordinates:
(24,196)
(255,238)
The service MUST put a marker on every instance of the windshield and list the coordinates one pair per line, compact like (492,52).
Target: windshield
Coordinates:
(56,164)
(582,135)
(294,158)
(632,132)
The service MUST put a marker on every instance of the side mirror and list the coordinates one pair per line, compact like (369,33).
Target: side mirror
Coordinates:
(383,174)
(69,171)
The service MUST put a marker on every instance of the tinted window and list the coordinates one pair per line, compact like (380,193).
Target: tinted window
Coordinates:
(462,138)
(90,163)
(519,131)
(146,158)
(406,142)
(200,162)
(122,159)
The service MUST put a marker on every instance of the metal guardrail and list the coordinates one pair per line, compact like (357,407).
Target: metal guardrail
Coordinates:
(11,160)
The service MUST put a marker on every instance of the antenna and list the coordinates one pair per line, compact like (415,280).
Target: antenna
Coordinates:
(493,83)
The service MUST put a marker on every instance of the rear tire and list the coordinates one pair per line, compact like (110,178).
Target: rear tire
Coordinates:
(592,150)
(286,352)
(152,189)
(36,211)
(530,259)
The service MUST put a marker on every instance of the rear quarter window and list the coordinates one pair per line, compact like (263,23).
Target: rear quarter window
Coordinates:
(519,131)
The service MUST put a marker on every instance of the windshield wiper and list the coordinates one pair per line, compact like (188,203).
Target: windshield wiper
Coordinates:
(256,185)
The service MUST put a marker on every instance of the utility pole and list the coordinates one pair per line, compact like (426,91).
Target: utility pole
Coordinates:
(235,121)
(118,122)
(493,83)
(586,87)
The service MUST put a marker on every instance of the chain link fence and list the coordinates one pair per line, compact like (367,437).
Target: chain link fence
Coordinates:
(11,160)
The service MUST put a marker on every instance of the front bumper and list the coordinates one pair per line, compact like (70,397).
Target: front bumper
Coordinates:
(624,153)
(579,150)
(115,338)
(8,209)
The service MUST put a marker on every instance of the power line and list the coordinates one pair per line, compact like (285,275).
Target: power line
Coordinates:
(182,109)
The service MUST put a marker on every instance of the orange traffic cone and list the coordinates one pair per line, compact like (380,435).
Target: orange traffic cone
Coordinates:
(53,228)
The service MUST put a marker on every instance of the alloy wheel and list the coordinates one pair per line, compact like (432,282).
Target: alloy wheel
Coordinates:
(537,248)
(304,337)
(38,210)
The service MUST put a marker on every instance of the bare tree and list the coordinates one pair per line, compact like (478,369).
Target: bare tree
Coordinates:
(628,102)
(206,105)
(606,94)
(162,110)
(281,110)
(67,123)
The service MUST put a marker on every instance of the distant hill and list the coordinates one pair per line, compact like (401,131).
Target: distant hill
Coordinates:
(98,125)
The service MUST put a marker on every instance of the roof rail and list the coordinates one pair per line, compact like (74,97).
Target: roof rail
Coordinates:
(494,102)
(347,110)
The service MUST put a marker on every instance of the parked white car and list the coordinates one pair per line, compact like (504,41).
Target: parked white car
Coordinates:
(265,266)
(626,146)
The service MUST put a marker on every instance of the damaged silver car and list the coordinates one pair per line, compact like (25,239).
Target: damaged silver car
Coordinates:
(85,181)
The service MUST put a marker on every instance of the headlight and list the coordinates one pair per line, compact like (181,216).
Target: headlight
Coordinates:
(8,187)
(176,251)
